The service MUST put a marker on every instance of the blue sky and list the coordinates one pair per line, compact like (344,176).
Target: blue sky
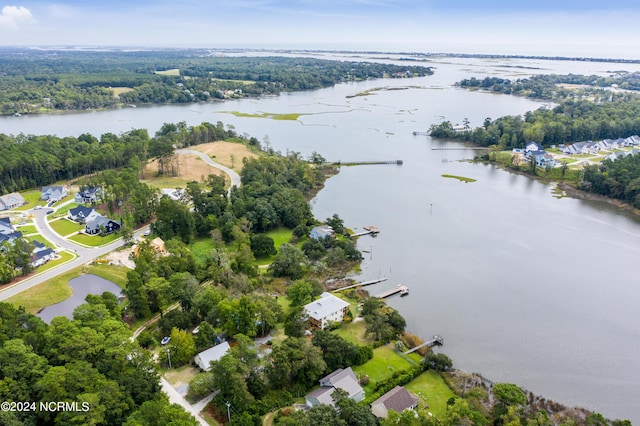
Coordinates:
(573,28)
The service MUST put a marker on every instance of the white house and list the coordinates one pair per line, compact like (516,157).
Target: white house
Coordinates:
(397,399)
(203,359)
(325,310)
(10,201)
(321,231)
(344,379)
(53,193)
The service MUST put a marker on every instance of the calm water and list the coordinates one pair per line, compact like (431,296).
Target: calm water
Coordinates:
(82,286)
(525,287)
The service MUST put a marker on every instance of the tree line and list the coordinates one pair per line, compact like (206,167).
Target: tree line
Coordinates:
(612,115)
(35,81)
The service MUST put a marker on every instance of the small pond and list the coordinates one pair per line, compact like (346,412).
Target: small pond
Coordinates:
(82,286)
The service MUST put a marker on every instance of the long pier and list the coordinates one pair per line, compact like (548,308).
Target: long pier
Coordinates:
(416,133)
(367,230)
(400,288)
(366,163)
(436,341)
(362,284)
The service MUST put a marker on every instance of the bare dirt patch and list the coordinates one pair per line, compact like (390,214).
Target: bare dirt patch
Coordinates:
(121,258)
(228,154)
(189,167)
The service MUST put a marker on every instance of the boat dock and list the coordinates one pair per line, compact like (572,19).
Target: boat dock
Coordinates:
(436,341)
(400,288)
(373,230)
(366,163)
(362,284)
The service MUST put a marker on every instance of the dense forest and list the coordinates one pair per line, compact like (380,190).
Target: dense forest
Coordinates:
(29,161)
(89,360)
(34,81)
(618,179)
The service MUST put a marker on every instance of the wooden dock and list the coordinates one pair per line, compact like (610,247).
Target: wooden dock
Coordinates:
(362,284)
(373,230)
(417,133)
(400,288)
(436,341)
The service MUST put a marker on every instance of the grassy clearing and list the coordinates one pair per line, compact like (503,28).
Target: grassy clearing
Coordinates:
(201,249)
(27,229)
(174,71)
(432,391)
(113,273)
(180,376)
(64,210)
(39,238)
(65,226)
(280,235)
(95,240)
(460,178)
(57,289)
(117,91)
(384,363)
(354,332)
(272,116)
(165,182)
(31,198)
(48,293)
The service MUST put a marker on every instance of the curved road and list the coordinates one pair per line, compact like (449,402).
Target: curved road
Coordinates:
(83,254)
(235,178)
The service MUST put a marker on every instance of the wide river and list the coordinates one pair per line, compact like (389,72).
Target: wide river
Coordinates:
(525,287)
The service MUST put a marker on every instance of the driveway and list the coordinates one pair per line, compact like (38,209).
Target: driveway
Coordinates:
(235,178)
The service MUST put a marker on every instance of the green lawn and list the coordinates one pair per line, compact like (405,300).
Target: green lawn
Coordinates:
(113,273)
(27,229)
(64,210)
(384,363)
(40,238)
(201,249)
(48,293)
(432,391)
(65,226)
(95,240)
(64,257)
(57,289)
(279,236)
(32,199)
(354,332)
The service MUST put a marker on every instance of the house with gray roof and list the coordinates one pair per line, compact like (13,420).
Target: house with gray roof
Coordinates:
(53,193)
(344,379)
(321,231)
(397,399)
(10,201)
(102,224)
(325,310)
(88,194)
(5,226)
(204,358)
(82,214)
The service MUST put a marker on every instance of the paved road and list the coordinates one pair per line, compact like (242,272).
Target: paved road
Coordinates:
(176,398)
(235,178)
(83,254)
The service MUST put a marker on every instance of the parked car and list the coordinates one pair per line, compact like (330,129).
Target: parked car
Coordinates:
(147,232)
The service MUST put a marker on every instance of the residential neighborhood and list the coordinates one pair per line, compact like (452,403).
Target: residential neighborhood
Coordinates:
(579,153)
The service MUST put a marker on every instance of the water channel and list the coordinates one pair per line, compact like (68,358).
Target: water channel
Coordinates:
(525,287)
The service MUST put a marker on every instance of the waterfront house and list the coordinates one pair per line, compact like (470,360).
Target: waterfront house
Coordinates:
(53,193)
(325,310)
(82,214)
(89,194)
(545,160)
(102,224)
(321,231)
(10,201)
(397,399)
(344,379)
(204,358)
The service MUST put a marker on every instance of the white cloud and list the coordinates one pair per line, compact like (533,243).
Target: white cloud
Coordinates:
(12,17)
